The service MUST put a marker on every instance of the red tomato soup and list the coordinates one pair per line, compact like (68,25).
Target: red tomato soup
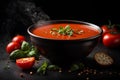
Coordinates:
(64,31)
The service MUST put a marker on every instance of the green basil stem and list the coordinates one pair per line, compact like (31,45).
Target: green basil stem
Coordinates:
(42,69)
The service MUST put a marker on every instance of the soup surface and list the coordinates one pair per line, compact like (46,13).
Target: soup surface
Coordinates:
(64,31)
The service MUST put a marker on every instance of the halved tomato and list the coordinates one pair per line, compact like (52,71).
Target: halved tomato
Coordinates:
(25,63)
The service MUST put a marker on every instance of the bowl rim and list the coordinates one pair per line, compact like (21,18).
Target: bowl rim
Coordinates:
(41,22)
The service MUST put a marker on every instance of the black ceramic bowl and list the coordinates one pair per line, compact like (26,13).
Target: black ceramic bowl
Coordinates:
(64,52)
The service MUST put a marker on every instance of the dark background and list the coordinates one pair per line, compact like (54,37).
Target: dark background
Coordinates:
(95,11)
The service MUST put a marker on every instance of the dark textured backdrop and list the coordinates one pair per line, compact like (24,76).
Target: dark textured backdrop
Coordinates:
(95,11)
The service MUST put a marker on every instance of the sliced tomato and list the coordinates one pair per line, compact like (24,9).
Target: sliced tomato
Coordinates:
(25,63)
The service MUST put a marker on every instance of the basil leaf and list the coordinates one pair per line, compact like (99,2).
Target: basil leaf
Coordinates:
(42,69)
(31,53)
(74,67)
(67,28)
(65,31)
(53,67)
(61,30)
(25,46)
(81,65)
(17,54)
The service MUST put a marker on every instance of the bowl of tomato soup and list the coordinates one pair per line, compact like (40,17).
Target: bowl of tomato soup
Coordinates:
(64,42)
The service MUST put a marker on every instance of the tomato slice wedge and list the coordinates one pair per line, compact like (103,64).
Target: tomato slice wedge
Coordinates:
(25,63)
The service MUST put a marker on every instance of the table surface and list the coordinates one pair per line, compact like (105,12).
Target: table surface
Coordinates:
(92,70)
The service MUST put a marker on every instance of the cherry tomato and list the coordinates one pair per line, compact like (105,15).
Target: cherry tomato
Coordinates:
(12,46)
(111,40)
(108,28)
(25,63)
(18,39)
(105,29)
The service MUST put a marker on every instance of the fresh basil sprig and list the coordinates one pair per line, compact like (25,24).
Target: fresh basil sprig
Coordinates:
(64,30)
(26,50)
(43,68)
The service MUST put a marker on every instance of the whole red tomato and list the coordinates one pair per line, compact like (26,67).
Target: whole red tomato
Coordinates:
(105,29)
(12,46)
(25,63)
(111,40)
(19,38)
(108,28)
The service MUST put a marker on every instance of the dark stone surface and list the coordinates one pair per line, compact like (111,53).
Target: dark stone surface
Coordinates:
(98,72)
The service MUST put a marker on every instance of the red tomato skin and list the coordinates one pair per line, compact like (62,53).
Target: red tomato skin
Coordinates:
(108,30)
(111,40)
(105,29)
(18,39)
(25,63)
(12,46)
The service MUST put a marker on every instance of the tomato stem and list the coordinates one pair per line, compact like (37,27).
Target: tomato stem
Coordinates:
(110,25)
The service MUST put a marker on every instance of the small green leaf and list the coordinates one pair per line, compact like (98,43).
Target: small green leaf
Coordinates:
(25,46)
(81,65)
(74,67)
(31,53)
(67,28)
(61,30)
(42,69)
(17,54)
(53,67)
(65,31)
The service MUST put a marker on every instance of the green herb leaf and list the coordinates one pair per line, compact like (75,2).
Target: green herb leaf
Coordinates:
(74,67)
(61,30)
(81,65)
(42,69)
(31,53)
(53,67)
(17,54)
(65,30)
(25,46)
